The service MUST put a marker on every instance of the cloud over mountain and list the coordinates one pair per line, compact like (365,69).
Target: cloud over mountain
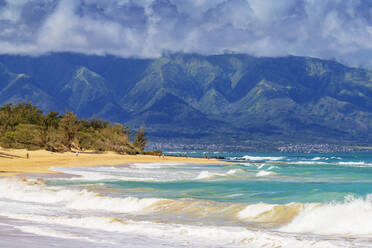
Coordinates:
(147,28)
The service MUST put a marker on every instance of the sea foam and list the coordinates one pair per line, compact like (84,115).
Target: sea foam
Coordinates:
(254,210)
(212,175)
(192,235)
(256,158)
(351,217)
(263,173)
(293,217)
(360,163)
(309,162)
(73,199)
(49,232)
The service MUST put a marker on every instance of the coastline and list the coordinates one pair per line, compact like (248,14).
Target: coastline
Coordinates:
(15,162)
(287,202)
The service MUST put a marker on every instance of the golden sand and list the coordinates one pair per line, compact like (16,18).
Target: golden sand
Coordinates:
(14,161)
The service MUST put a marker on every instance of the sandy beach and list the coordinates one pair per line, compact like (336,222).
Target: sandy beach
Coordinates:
(14,161)
(287,200)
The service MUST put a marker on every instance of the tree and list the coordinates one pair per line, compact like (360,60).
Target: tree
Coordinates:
(23,125)
(27,135)
(11,115)
(48,124)
(140,139)
(23,136)
(68,127)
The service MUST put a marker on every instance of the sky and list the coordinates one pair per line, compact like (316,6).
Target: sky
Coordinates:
(331,29)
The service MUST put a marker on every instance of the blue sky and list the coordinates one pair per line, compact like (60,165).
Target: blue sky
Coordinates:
(331,29)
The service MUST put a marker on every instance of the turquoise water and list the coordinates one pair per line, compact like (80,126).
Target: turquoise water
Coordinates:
(290,178)
(254,200)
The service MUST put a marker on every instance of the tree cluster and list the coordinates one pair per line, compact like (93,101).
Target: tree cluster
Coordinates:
(23,125)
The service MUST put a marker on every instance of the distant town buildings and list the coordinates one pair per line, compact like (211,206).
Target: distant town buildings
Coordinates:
(290,148)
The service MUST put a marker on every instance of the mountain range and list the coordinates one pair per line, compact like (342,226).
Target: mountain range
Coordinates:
(229,98)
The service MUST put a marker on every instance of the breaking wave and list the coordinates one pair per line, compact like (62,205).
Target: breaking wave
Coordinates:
(190,235)
(309,162)
(351,217)
(255,158)
(263,173)
(361,163)
(213,175)
(71,199)
(348,218)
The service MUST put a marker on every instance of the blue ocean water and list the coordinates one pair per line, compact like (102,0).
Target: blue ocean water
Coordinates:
(253,200)
(251,178)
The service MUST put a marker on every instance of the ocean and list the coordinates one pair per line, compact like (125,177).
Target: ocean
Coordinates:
(256,200)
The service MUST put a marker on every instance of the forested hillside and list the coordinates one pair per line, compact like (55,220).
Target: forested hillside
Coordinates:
(221,98)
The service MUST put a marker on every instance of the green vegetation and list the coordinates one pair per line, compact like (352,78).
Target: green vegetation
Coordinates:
(195,99)
(23,125)
(140,140)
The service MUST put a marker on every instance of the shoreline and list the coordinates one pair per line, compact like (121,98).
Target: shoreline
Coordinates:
(15,162)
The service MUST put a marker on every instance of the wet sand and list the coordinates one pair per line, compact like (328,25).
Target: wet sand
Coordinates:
(14,161)
(13,237)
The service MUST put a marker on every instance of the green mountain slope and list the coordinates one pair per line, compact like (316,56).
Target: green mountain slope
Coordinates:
(88,94)
(221,98)
(20,87)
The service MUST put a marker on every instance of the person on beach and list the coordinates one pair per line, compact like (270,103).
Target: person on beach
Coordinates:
(27,155)
(77,154)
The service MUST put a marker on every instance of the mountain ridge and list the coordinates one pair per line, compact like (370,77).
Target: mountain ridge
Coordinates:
(222,98)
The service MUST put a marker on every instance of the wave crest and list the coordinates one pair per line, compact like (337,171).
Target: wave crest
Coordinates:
(205,175)
(351,217)
(73,199)
(263,173)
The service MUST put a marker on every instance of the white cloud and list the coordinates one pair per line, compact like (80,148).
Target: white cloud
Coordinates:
(147,28)
(12,11)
